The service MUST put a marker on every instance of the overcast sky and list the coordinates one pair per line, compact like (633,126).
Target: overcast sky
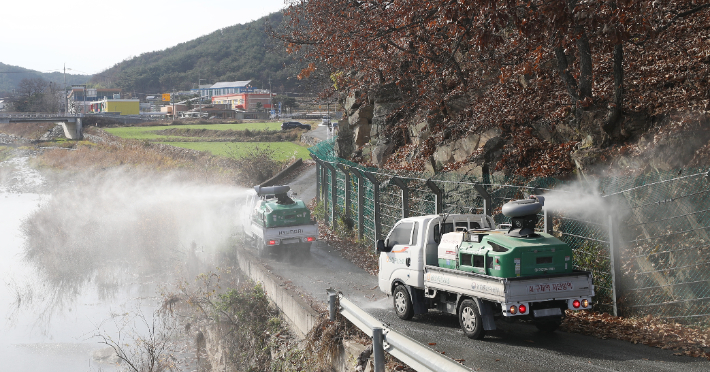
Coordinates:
(91,36)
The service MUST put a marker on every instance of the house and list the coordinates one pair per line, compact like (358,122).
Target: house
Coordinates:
(115,106)
(80,98)
(252,101)
(223,88)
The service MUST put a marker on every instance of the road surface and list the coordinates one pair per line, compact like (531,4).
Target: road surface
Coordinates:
(513,347)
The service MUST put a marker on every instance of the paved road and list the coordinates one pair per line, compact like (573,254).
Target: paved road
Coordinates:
(320,132)
(305,184)
(513,347)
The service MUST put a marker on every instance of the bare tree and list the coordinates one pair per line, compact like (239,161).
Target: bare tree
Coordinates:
(143,345)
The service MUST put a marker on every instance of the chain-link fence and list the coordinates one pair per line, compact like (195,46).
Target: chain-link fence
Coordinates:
(646,242)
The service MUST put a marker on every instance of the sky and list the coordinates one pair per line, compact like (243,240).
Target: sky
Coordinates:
(92,36)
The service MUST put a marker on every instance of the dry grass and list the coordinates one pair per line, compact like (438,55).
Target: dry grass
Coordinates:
(30,131)
(106,151)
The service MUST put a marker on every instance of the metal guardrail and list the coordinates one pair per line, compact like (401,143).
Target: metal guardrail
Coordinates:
(407,350)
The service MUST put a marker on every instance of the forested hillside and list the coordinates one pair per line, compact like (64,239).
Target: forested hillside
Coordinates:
(240,52)
(535,88)
(10,77)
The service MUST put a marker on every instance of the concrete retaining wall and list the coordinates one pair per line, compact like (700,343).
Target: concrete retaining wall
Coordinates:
(279,176)
(297,312)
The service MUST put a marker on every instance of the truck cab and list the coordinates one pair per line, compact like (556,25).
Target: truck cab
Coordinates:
(413,243)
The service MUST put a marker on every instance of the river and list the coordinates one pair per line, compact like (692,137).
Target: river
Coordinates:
(88,257)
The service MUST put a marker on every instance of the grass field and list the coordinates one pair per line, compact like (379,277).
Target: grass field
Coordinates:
(146,133)
(282,150)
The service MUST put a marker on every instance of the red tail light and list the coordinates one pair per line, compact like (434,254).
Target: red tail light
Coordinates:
(273,242)
(576,304)
(310,239)
(522,309)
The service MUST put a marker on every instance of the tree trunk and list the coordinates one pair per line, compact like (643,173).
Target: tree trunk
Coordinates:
(585,67)
(567,78)
(617,104)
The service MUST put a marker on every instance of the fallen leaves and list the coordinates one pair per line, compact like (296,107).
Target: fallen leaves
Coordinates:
(648,330)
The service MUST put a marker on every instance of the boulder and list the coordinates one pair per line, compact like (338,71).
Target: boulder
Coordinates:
(488,135)
(344,143)
(442,156)
(352,102)
(471,170)
(418,133)
(361,122)
(464,147)
(381,151)
(381,112)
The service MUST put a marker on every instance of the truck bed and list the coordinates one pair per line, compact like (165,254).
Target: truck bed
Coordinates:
(508,290)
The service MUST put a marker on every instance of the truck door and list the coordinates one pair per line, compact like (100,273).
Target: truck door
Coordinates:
(395,263)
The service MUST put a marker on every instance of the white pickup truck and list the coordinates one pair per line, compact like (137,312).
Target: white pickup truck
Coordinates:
(480,274)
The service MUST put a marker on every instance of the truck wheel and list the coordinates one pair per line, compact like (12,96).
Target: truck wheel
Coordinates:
(548,325)
(402,303)
(470,320)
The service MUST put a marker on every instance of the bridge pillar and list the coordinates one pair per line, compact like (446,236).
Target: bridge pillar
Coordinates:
(72,128)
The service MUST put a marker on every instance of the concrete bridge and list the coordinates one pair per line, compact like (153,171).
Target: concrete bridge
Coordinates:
(70,123)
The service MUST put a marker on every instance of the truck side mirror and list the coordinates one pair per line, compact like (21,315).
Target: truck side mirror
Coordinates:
(381,246)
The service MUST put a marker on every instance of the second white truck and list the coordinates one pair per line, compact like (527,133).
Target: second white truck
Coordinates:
(460,264)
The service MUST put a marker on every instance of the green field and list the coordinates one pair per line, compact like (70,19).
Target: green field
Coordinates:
(282,150)
(145,133)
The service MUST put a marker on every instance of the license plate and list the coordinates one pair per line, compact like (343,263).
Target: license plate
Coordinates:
(547,312)
(291,241)
(550,287)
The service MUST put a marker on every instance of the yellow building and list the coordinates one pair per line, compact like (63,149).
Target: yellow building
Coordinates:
(120,106)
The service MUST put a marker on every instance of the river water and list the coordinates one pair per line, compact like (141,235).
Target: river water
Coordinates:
(91,258)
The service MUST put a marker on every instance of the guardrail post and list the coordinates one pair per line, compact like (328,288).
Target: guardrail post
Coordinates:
(376,205)
(438,196)
(348,202)
(331,304)
(487,207)
(378,349)
(405,195)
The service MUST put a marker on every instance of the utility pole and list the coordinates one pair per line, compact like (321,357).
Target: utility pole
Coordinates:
(271,106)
(172,100)
(199,91)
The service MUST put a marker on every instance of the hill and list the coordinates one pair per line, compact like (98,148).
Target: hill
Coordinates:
(239,52)
(10,76)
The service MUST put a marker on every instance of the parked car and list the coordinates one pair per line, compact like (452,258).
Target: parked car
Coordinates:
(294,124)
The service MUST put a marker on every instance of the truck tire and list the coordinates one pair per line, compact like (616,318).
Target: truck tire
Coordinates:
(402,302)
(548,325)
(470,320)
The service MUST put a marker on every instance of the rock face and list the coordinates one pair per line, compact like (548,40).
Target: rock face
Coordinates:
(477,153)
